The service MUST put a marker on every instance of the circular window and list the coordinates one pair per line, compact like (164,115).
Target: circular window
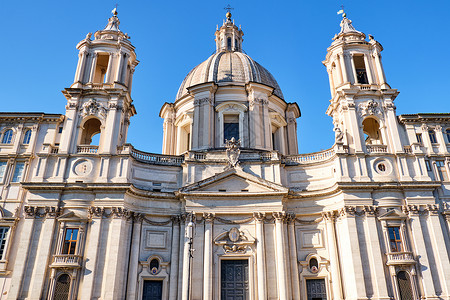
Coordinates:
(381,167)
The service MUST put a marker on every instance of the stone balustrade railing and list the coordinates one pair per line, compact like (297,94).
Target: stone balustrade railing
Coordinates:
(376,148)
(89,149)
(160,159)
(400,258)
(66,260)
(309,157)
(407,149)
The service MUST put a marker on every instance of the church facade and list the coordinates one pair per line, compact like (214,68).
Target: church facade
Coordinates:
(230,209)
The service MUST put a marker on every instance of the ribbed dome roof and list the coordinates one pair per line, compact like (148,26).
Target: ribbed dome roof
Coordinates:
(227,66)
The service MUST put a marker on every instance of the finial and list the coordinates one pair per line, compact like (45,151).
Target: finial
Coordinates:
(114,11)
(341,11)
(228,8)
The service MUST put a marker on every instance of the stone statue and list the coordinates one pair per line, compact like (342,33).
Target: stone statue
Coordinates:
(233,152)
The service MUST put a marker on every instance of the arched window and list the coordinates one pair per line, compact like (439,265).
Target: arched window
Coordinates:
(90,129)
(229,44)
(7,137)
(432,135)
(404,286)
(371,129)
(27,137)
(154,266)
(62,287)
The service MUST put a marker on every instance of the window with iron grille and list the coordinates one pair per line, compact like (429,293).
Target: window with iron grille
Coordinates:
(3,238)
(395,241)
(70,241)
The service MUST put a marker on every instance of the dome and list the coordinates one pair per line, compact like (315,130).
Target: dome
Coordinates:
(229,66)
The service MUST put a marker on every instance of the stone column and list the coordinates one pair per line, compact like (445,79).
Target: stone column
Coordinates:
(113,285)
(186,268)
(279,245)
(343,68)
(260,256)
(80,68)
(352,269)
(368,69)
(21,260)
(421,251)
(440,138)
(207,257)
(91,252)
(119,67)
(441,252)
(375,251)
(196,133)
(380,70)
(133,268)
(110,134)
(295,281)
(43,254)
(352,65)
(173,280)
(93,66)
(336,284)
(109,70)
(181,253)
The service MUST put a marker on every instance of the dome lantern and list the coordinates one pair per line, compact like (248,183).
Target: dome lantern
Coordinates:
(229,36)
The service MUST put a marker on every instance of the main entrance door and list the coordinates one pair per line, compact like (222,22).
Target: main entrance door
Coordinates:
(315,289)
(234,279)
(152,290)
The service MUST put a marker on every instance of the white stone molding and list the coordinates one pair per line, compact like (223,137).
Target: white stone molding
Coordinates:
(370,108)
(322,272)
(161,274)
(93,108)
(231,108)
(235,241)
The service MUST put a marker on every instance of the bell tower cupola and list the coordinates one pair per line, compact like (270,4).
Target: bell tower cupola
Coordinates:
(99,103)
(229,36)
(362,102)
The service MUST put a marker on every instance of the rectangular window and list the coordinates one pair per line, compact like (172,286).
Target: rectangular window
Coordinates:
(395,241)
(447,133)
(3,165)
(230,127)
(70,241)
(432,135)
(440,165)
(428,165)
(3,239)
(360,67)
(18,172)
(419,138)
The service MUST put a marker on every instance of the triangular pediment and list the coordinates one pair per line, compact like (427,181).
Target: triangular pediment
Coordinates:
(72,216)
(393,214)
(234,180)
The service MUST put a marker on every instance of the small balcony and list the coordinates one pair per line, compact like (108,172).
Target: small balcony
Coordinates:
(400,258)
(87,149)
(66,261)
(376,149)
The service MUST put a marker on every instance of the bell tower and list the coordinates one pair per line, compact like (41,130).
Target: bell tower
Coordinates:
(99,103)
(362,103)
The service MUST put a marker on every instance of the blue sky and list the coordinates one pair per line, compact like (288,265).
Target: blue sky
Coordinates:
(289,38)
